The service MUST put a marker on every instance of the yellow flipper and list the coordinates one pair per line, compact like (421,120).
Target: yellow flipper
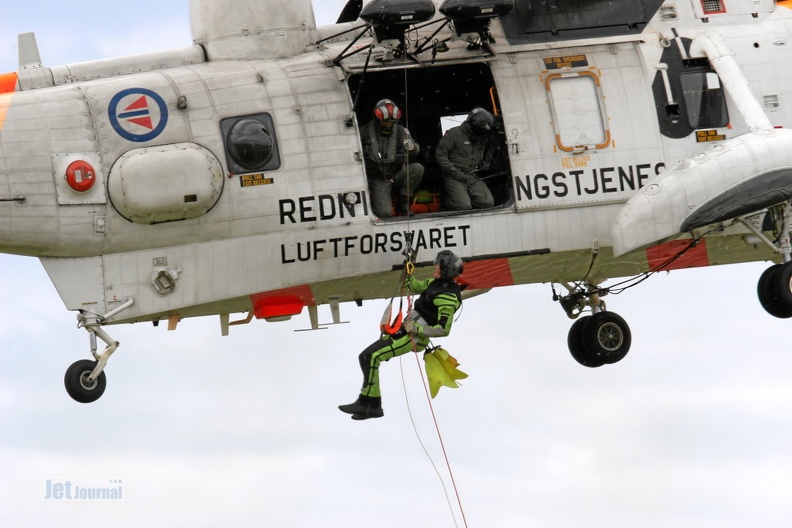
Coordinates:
(441,370)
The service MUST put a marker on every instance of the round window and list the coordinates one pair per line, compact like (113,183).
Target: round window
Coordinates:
(250,143)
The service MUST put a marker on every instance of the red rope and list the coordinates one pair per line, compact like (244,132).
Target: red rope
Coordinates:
(442,444)
(434,418)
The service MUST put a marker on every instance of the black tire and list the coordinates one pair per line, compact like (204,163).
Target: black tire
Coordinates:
(783,284)
(77,386)
(607,336)
(577,346)
(770,288)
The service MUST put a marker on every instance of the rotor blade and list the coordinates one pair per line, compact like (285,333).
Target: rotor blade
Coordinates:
(351,11)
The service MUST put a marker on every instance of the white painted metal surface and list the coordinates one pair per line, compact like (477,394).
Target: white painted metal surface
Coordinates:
(166,205)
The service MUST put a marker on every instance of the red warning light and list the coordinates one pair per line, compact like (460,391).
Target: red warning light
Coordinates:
(80,175)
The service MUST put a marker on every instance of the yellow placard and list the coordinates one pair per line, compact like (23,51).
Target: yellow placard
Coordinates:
(569,61)
(702,136)
(251,180)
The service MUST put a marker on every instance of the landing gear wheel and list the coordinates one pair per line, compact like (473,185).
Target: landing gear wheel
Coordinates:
(774,290)
(77,384)
(577,346)
(607,336)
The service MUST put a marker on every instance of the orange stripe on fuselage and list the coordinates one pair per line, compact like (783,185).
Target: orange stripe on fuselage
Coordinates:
(785,3)
(481,274)
(674,255)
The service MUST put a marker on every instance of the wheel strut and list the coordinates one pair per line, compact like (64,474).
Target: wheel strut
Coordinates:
(782,245)
(93,324)
(774,288)
(581,297)
(85,380)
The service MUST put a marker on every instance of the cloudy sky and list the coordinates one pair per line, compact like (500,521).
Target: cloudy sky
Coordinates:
(692,428)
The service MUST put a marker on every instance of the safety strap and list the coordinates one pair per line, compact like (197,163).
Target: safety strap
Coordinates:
(391,327)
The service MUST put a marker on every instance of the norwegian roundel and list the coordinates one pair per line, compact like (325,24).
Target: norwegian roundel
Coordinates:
(138,114)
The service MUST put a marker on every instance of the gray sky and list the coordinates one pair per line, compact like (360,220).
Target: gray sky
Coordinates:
(692,428)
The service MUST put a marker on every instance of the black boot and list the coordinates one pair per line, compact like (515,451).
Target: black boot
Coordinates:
(354,407)
(371,408)
(404,206)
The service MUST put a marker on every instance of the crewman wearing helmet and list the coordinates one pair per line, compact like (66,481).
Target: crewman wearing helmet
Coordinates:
(460,154)
(432,316)
(388,150)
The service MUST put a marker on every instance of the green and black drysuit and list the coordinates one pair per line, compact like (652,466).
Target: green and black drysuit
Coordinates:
(433,313)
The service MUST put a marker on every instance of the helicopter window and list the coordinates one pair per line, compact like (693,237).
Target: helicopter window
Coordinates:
(578,111)
(449,122)
(250,143)
(704,99)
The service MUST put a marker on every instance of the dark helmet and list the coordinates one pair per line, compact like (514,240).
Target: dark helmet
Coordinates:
(386,110)
(450,265)
(480,120)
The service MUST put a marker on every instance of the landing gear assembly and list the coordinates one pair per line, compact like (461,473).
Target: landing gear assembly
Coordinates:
(594,340)
(774,288)
(85,380)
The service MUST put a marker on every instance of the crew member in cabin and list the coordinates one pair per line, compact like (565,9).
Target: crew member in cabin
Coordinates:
(432,315)
(389,151)
(460,155)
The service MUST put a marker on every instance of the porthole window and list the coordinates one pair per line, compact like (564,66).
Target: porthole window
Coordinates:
(250,143)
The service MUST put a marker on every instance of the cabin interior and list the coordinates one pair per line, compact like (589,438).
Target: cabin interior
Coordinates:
(434,99)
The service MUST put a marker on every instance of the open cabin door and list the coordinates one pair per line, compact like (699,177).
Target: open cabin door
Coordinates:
(434,99)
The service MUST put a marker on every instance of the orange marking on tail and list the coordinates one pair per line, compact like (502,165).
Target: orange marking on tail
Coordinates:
(8,83)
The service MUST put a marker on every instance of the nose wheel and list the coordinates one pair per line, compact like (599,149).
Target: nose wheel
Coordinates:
(79,384)
(85,380)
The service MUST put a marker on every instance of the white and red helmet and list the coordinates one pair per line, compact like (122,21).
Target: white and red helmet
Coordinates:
(386,110)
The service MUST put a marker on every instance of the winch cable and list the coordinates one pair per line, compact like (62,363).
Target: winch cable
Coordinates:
(407,127)
(425,384)
(442,447)
(390,326)
(394,323)
(406,272)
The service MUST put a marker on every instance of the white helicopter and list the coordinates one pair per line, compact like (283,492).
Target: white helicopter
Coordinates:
(227,177)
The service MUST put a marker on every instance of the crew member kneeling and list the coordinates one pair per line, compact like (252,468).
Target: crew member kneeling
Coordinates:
(388,150)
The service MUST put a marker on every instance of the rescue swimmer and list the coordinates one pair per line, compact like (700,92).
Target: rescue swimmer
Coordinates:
(432,316)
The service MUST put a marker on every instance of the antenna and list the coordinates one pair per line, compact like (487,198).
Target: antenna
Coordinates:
(29,57)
